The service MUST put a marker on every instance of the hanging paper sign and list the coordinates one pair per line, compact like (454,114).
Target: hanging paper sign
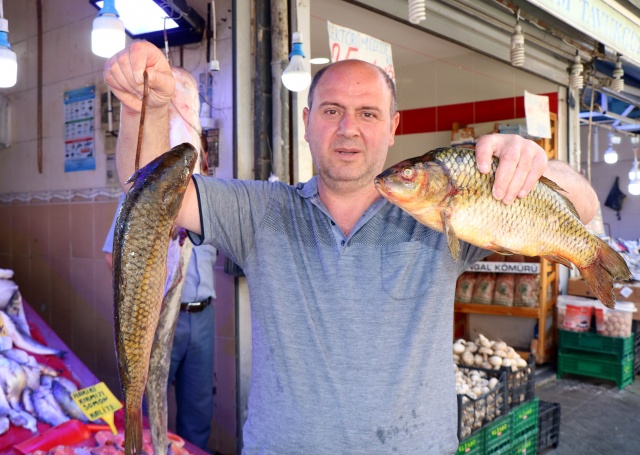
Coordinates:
(348,44)
(79,110)
(536,109)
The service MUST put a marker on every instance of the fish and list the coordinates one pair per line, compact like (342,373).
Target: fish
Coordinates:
(24,341)
(444,190)
(63,397)
(13,380)
(47,408)
(184,126)
(141,238)
(28,363)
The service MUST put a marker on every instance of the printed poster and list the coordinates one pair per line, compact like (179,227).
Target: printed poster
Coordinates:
(536,109)
(348,44)
(79,110)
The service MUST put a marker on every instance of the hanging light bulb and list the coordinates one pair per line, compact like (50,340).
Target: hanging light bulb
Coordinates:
(576,79)
(517,44)
(417,11)
(8,60)
(617,83)
(634,172)
(107,36)
(610,155)
(296,77)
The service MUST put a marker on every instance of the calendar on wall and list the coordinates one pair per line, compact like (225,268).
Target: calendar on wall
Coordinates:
(79,111)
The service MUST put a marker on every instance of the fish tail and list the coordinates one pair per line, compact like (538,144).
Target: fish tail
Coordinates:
(607,267)
(133,431)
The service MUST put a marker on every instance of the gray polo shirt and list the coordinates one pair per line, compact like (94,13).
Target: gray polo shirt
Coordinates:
(351,335)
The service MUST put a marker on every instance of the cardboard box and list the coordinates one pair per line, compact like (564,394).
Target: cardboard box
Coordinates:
(625,292)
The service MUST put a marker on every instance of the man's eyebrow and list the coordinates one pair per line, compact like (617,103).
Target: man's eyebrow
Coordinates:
(338,105)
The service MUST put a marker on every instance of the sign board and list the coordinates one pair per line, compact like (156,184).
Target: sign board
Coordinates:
(536,110)
(607,22)
(97,402)
(348,44)
(506,267)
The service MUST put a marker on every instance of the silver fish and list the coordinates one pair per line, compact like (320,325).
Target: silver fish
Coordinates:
(13,380)
(63,397)
(24,340)
(47,407)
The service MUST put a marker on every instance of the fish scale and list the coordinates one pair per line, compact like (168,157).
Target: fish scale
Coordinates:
(444,190)
(141,239)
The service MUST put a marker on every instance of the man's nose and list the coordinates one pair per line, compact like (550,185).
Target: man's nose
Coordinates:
(348,125)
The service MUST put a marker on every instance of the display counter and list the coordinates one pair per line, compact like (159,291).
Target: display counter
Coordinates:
(69,366)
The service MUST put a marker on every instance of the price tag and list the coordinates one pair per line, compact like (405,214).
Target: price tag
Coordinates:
(97,402)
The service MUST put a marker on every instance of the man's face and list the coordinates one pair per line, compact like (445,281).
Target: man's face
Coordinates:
(349,127)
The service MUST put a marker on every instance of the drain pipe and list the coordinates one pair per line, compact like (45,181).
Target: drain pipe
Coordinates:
(280,95)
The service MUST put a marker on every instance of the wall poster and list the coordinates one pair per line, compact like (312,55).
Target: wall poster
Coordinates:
(79,110)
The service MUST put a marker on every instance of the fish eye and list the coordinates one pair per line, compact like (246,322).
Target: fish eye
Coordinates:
(407,172)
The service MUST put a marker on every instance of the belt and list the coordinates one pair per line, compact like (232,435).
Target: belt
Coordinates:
(195,307)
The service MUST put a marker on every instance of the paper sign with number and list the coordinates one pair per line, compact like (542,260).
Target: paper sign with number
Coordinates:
(348,44)
(97,402)
(536,109)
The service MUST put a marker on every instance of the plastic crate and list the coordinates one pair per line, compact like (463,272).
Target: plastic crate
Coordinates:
(596,366)
(521,383)
(526,445)
(498,436)
(474,414)
(593,342)
(525,419)
(473,445)
(548,425)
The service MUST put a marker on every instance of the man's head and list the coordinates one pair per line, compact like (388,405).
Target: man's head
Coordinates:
(350,123)
(389,82)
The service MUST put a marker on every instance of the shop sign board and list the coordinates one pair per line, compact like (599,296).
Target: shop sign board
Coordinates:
(348,44)
(606,21)
(505,267)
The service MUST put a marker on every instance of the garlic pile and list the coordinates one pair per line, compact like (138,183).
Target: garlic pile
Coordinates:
(487,354)
(479,406)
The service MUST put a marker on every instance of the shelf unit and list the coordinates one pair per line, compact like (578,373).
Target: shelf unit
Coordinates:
(548,297)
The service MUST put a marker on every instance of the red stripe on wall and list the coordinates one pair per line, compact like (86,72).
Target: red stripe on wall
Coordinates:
(442,118)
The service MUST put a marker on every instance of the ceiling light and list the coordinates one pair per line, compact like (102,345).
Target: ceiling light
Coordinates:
(296,77)
(8,60)
(107,36)
(517,43)
(417,11)
(319,60)
(610,155)
(576,79)
(617,83)
(148,20)
(634,173)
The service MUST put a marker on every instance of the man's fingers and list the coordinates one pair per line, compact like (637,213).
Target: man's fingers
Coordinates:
(538,166)
(505,173)
(520,175)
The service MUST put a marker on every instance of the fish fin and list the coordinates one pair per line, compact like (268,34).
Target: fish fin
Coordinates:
(450,233)
(601,273)
(559,260)
(502,250)
(135,175)
(555,187)
(133,431)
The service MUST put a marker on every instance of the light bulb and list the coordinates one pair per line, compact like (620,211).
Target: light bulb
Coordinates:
(417,11)
(107,35)
(617,83)
(634,187)
(634,173)
(296,77)
(610,156)
(8,59)
(576,79)
(517,46)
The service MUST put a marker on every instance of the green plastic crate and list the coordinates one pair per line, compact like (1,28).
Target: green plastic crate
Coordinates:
(596,366)
(593,342)
(473,445)
(527,445)
(497,436)
(524,420)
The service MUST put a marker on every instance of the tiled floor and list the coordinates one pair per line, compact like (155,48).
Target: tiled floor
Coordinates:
(596,417)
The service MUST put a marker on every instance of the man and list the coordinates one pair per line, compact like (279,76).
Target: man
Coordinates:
(351,298)
(192,352)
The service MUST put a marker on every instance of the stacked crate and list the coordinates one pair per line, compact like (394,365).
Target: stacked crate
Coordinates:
(598,356)
(548,425)
(636,334)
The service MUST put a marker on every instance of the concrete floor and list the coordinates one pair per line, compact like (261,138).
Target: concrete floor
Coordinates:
(595,417)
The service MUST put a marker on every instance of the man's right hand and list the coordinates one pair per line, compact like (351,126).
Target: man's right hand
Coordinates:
(123,73)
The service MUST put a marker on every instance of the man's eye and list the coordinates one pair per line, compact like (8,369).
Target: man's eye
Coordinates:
(331,112)
(369,115)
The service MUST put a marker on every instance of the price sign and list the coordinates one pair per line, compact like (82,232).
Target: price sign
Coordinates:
(97,402)
(536,109)
(348,44)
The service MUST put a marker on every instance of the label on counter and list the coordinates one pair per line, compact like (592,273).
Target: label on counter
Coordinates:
(97,402)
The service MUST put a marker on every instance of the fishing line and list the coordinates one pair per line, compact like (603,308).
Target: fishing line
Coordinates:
(143,110)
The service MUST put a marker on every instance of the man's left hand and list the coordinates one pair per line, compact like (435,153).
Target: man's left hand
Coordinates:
(521,165)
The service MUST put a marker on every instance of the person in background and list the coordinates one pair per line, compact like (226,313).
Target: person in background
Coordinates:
(351,298)
(192,353)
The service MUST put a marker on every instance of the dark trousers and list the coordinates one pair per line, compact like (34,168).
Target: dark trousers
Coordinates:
(192,370)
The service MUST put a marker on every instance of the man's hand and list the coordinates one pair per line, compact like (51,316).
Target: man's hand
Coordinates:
(522,163)
(123,73)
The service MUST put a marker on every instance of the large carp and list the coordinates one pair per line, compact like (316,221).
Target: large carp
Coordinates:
(140,243)
(444,190)
(184,126)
